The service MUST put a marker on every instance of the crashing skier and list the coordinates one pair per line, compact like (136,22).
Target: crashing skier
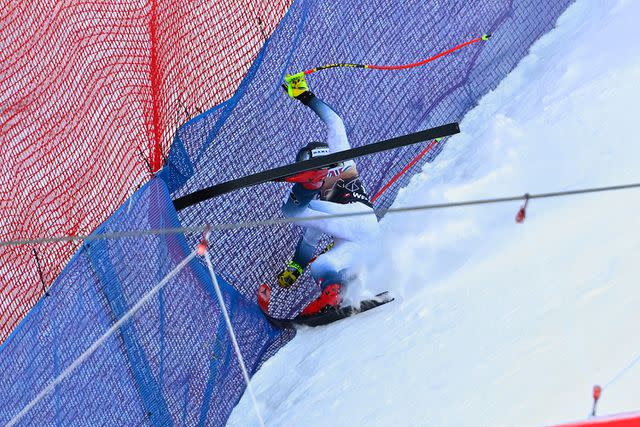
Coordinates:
(325,193)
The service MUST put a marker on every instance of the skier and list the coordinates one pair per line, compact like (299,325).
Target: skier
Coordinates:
(326,192)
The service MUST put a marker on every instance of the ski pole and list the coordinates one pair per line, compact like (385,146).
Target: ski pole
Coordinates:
(484,37)
(406,168)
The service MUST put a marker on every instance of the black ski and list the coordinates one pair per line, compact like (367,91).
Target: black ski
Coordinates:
(331,315)
(319,162)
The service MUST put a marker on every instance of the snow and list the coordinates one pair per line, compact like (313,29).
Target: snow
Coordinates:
(497,323)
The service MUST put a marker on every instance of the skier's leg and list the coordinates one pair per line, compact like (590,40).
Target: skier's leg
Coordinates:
(306,247)
(329,268)
(350,228)
(330,271)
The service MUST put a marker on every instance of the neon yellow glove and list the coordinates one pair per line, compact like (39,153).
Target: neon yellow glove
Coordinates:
(296,84)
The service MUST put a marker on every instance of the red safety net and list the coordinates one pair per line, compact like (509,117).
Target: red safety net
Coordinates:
(91,94)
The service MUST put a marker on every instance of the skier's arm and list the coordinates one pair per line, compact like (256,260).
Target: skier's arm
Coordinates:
(319,215)
(336,131)
(297,88)
(325,217)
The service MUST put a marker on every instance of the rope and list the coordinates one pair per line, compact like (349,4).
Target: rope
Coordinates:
(232,334)
(88,352)
(44,287)
(622,373)
(280,221)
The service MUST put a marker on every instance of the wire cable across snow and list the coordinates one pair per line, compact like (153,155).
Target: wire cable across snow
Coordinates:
(280,221)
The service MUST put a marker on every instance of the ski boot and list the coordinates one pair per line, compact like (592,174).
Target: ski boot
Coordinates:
(289,275)
(328,299)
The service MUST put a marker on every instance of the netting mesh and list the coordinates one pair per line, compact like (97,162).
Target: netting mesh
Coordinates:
(172,363)
(91,94)
(260,127)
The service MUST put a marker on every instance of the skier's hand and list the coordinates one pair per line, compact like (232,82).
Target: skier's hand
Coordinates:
(296,84)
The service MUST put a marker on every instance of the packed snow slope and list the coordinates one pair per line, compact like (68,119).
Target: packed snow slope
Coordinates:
(496,323)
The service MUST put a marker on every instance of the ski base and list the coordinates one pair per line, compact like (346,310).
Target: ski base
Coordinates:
(277,174)
(331,315)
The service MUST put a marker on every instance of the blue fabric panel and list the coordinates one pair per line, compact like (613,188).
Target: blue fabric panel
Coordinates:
(171,364)
(112,289)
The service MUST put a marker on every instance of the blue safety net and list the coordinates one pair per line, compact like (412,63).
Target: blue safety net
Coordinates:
(261,128)
(172,363)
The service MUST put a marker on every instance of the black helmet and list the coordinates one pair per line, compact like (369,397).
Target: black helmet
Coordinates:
(311,150)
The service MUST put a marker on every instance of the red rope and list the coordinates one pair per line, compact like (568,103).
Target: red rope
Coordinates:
(406,168)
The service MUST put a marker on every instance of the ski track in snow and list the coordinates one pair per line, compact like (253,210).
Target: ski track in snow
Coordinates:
(498,324)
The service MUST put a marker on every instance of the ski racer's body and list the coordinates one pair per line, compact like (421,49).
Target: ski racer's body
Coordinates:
(327,193)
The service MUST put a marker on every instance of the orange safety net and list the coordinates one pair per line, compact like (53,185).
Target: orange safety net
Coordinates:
(91,94)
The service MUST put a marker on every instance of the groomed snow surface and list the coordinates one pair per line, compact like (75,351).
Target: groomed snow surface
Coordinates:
(496,323)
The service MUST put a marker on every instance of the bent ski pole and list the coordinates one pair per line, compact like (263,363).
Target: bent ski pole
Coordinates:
(484,37)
